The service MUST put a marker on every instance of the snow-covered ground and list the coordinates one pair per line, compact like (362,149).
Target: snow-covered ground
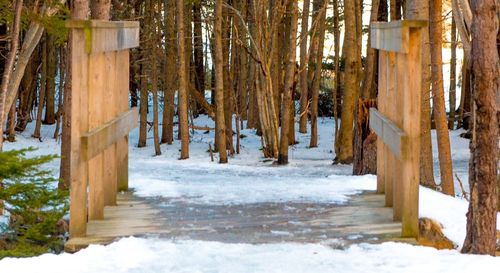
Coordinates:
(249,178)
(150,255)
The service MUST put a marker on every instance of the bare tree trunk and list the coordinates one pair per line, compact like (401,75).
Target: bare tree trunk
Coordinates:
(9,65)
(143,109)
(368,88)
(100,9)
(199,75)
(289,80)
(51,82)
(453,75)
(483,166)
(345,138)
(183,82)
(419,10)
(152,27)
(336,89)
(43,89)
(170,74)
(304,97)
(443,139)
(219,85)
(316,84)
(11,124)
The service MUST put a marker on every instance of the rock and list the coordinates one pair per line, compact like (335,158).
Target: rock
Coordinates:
(431,234)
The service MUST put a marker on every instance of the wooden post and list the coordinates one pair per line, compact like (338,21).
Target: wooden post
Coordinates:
(397,121)
(100,122)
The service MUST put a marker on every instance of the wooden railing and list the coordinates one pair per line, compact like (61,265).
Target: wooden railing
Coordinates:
(397,120)
(100,117)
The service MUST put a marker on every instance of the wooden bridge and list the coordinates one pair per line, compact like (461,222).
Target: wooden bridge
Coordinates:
(101,120)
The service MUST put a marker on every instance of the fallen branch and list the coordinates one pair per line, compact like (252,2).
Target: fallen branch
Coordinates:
(464,193)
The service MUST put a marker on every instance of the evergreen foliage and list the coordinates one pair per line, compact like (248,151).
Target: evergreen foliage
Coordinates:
(33,202)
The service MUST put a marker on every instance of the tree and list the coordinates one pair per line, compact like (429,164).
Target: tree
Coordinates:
(343,146)
(443,139)
(183,82)
(170,75)
(289,80)
(219,85)
(304,31)
(9,65)
(483,165)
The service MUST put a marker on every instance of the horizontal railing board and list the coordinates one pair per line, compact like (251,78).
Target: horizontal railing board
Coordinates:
(393,36)
(389,133)
(97,140)
(107,36)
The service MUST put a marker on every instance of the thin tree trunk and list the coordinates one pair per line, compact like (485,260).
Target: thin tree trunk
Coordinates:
(316,84)
(289,82)
(483,166)
(336,89)
(443,138)
(170,73)
(183,82)
(219,85)
(199,75)
(50,90)
(9,65)
(154,41)
(453,75)
(143,109)
(43,88)
(304,33)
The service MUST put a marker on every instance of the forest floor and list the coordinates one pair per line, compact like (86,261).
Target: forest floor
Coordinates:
(211,203)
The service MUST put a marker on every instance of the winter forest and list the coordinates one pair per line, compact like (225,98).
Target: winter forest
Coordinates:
(249,136)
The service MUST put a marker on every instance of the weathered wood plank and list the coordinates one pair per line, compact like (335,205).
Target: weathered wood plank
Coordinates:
(79,124)
(106,36)
(411,113)
(97,140)
(96,107)
(122,66)
(110,112)
(381,147)
(390,134)
(393,36)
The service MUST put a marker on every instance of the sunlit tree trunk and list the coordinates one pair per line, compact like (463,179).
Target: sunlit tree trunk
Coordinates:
(443,138)
(483,166)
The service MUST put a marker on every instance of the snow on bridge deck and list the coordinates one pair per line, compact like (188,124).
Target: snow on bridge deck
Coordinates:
(363,219)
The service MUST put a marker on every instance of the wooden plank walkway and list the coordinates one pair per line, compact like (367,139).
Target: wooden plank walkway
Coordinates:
(363,219)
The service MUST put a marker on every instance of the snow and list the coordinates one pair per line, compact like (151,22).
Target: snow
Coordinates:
(249,178)
(153,255)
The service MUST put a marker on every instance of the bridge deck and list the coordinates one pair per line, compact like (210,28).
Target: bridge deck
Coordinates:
(363,219)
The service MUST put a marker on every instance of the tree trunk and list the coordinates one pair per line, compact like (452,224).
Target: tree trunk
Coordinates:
(443,139)
(289,82)
(144,104)
(199,75)
(483,166)
(183,82)
(43,89)
(100,9)
(316,84)
(351,89)
(219,85)
(453,75)
(170,73)
(419,10)
(51,82)
(304,97)
(9,64)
